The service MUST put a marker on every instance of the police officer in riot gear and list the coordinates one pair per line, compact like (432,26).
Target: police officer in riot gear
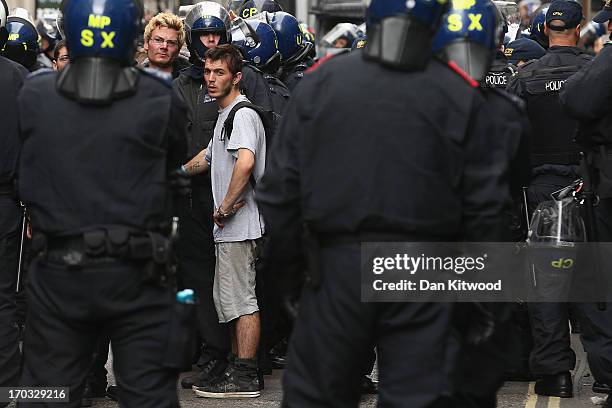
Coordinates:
(326,160)
(22,45)
(11,79)
(294,48)
(99,193)
(257,41)
(49,36)
(250,8)
(555,158)
(586,97)
(473,47)
(500,72)
(207,25)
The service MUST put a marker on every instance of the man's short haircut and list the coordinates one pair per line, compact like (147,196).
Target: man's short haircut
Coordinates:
(227,53)
(58,48)
(167,20)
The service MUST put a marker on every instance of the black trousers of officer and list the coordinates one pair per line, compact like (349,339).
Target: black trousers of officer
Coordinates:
(334,330)
(10,357)
(551,352)
(596,322)
(70,309)
(197,271)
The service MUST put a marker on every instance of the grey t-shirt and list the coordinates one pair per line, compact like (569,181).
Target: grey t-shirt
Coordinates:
(248,133)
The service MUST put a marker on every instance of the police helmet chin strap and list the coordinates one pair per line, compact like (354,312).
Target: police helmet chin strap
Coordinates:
(400,42)
(97,81)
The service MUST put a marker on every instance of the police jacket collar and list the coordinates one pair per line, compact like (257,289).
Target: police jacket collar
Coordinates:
(566,49)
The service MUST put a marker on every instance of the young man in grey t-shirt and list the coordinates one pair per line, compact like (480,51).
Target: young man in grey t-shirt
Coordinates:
(233,160)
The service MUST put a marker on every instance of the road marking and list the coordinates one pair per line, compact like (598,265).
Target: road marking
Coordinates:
(554,402)
(532,397)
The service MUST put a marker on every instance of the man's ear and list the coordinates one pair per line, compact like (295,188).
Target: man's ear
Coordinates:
(545,29)
(237,78)
(146,46)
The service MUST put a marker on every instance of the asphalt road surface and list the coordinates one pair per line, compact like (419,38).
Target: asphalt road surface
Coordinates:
(512,395)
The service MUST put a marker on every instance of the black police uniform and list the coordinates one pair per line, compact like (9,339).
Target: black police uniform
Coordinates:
(500,73)
(196,244)
(393,174)
(586,97)
(95,180)
(554,160)
(11,79)
(292,75)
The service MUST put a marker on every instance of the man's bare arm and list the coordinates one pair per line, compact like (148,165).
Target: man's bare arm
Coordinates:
(240,179)
(197,165)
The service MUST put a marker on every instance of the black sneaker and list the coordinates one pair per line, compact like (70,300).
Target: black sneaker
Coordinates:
(239,380)
(212,372)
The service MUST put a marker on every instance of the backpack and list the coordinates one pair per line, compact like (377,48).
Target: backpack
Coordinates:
(269,119)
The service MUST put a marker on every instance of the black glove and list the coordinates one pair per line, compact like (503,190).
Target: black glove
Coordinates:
(180,182)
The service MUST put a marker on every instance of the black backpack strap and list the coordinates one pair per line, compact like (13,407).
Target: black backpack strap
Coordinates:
(228,125)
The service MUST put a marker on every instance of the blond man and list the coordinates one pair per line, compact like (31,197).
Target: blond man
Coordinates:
(163,38)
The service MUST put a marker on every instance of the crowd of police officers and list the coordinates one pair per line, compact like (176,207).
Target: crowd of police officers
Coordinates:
(462,130)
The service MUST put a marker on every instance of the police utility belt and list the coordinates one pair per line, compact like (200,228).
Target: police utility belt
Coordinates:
(103,245)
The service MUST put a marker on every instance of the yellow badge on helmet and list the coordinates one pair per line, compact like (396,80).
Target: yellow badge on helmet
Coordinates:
(463,4)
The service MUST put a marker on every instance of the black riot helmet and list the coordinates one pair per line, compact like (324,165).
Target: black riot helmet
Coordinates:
(3,17)
(251,8)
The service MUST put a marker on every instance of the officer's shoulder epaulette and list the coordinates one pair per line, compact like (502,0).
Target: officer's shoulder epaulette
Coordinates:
(161,76)
(39,73)
(514,100)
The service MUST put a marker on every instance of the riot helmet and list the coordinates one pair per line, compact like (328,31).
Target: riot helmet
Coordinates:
(537,27)
(22,44)
(251,8)
(341,36)
(48,31)
(101,36)
(59,24)
(291,41)
(469,36)
(257,42)
(360,43)
(400,32)
(3,17)
(204,18)
(105,29)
